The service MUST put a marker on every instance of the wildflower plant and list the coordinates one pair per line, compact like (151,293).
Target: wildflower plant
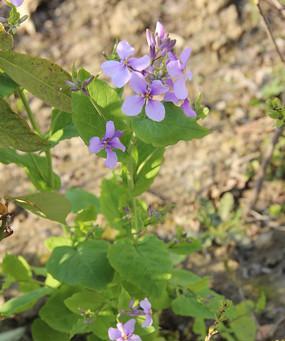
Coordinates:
(92,285)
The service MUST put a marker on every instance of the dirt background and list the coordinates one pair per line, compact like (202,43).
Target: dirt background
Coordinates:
(232,61)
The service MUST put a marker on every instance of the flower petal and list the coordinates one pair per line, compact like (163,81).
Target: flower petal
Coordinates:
(148,321)
(189,75)
(180,89)
(159,30)
(149,38)
(112,159)
(145,304)
(135,338)
(185,55)
(124,49)
(111,67)
(138,84)
(187,108)
(157,88)
(129,327)
(117,144)
(95,145)
(174,68)
(17,3)
(139,64)
(155,110)
(114,333)
(122,76)
(170,97)
(110,130)
(133,105)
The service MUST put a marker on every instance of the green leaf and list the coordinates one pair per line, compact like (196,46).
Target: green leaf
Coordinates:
(261,302)
(56,241)
(41,77)
(87,300)
(102,323)
(185,248)
(91,113)
(146,264)
(81,199)
(189,306)
(24,302)
(42,332)
(7,85)
(15,132)
(17,267)
(187,279)
(62,127)
(13,335)
(106,97)
(56,315)
(113,201)
(49,205)
(148,165)
(199,327)
(36,167)
(175,127)
(87,265)
(6,41)
(86,119)
(241,321)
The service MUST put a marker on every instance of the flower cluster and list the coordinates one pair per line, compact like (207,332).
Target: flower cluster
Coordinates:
(155,78)
(125,332)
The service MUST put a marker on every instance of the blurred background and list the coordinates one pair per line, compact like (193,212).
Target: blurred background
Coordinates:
(213,182)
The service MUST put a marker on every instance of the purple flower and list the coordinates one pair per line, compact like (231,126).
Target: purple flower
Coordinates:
(159,43)
(124,332)
(154,109)
(185,105)
(109,142)
(146,306)
(122,70)
(179,74)
(187,108)
(17,3)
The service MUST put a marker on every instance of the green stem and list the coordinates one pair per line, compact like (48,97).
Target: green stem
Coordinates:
(131,185)
(36,127)
(49,164)
(31,115)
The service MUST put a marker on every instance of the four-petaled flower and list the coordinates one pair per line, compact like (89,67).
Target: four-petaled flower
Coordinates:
(122,70)
(146,306)
(154,109)
(179,74)
(124,332)
(109,142)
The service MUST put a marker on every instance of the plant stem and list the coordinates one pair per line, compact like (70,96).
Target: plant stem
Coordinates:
(131,184)
(36,127)
(49,164)
(31,115)
(269,31)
